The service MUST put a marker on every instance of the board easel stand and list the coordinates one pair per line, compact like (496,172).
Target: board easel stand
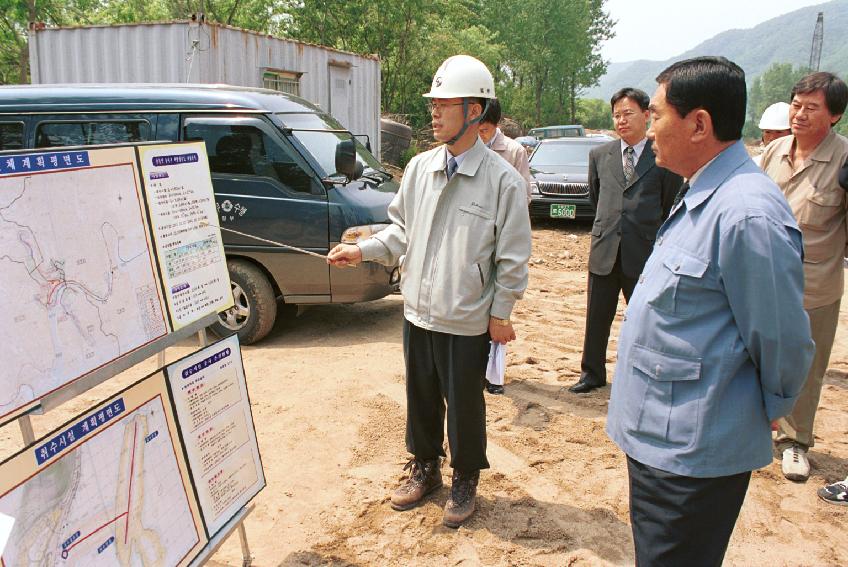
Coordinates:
(112,369)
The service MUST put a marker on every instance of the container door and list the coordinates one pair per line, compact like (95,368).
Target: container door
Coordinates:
(263,188)
(340,85)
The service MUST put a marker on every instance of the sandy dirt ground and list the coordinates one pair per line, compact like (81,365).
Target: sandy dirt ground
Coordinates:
(328,401)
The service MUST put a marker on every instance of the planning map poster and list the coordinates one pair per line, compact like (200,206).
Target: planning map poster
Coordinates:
(110,487)
(77,268)
(210,398)
(185,230)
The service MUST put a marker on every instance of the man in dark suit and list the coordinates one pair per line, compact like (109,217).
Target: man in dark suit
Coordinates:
(632,197)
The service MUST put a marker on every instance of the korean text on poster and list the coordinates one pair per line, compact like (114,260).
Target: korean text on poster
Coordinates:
(188,241)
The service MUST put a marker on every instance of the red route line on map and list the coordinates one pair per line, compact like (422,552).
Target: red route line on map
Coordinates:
(112,521)
(118,517)
(57,284)
(129,494)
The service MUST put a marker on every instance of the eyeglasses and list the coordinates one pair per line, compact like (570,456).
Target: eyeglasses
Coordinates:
(627,114)
(433,106)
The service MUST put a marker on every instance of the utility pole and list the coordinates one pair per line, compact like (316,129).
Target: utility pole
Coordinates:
(815,50)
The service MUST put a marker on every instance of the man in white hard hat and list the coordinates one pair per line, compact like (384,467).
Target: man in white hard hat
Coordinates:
(460,223)
(774,124)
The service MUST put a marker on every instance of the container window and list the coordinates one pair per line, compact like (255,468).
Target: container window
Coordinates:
(246,150)
(282,81)
(49,134)
(11,135)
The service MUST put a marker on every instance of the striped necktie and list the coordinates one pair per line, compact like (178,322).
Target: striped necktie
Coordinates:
(629,163)
(451,167)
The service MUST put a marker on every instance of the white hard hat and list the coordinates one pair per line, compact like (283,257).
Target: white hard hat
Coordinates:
(462,76)
(775,117)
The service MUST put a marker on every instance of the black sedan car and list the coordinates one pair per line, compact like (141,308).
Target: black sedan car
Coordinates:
(560,186)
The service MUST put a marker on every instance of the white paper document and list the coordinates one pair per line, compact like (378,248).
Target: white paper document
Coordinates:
(6,523)
(497,364)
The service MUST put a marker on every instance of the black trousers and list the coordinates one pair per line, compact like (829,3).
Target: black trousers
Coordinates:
(443,368)
(680,520)
(601,302)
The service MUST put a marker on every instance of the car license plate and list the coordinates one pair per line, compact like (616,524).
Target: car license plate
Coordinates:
(563,211)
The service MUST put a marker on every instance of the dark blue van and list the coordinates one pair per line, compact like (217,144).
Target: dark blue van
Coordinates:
(273,159)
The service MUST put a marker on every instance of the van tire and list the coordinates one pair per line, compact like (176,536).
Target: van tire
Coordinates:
(255,307)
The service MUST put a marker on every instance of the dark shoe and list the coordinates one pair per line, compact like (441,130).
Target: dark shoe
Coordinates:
(424,478)
(494,388)
(836,493)
(460,505)
(584,386)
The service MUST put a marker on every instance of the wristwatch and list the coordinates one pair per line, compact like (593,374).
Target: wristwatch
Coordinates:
(500,322)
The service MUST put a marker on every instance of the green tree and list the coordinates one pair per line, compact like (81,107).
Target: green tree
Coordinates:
(774,85)
(264,16)
(552,51)
(594,113)
(15,16)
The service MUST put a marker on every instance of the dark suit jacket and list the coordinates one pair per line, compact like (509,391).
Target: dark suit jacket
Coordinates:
(627,215)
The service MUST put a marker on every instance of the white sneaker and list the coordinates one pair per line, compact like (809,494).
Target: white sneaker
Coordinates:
(795,464)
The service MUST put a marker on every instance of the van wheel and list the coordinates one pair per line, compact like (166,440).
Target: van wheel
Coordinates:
(255,309)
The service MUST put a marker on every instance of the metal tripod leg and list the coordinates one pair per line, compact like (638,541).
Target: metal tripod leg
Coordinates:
(26,429)
(247,560)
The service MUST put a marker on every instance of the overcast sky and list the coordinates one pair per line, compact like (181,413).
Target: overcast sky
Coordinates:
(659,29)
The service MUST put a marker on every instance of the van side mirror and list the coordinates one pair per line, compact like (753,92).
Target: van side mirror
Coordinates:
(367,141)
(346,162)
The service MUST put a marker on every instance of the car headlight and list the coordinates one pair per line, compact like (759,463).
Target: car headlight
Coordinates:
(356,234)
(534,188)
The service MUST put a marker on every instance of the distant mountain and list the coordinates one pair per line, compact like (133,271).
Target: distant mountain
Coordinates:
(784,39)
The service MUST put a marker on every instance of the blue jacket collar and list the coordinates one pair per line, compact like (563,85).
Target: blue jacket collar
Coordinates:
(715,174)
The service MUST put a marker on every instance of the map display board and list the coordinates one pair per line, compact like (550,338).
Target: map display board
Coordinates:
(77,270)
(110,487)
(185,231)
(209,392)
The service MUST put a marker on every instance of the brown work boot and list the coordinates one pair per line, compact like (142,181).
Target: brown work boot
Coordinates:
(424,478)
(460,505)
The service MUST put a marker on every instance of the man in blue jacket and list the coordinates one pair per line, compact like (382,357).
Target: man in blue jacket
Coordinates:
(715,341)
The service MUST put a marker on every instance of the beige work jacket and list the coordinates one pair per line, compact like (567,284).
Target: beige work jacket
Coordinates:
(514,154)
(820,207)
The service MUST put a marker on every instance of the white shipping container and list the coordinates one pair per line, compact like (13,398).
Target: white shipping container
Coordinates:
(344,84)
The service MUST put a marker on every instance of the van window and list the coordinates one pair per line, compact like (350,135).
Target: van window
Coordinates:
(306,127)
(247,150)
(11,135)
(87,133)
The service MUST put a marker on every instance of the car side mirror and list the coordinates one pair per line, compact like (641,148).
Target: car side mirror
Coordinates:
(346,162)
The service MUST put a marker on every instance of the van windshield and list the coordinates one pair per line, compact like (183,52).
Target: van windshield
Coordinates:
(306,127)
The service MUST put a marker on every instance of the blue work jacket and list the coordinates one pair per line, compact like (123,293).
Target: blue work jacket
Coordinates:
(715,342)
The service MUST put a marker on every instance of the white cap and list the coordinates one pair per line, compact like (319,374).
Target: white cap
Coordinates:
(462,76)
(775,117)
